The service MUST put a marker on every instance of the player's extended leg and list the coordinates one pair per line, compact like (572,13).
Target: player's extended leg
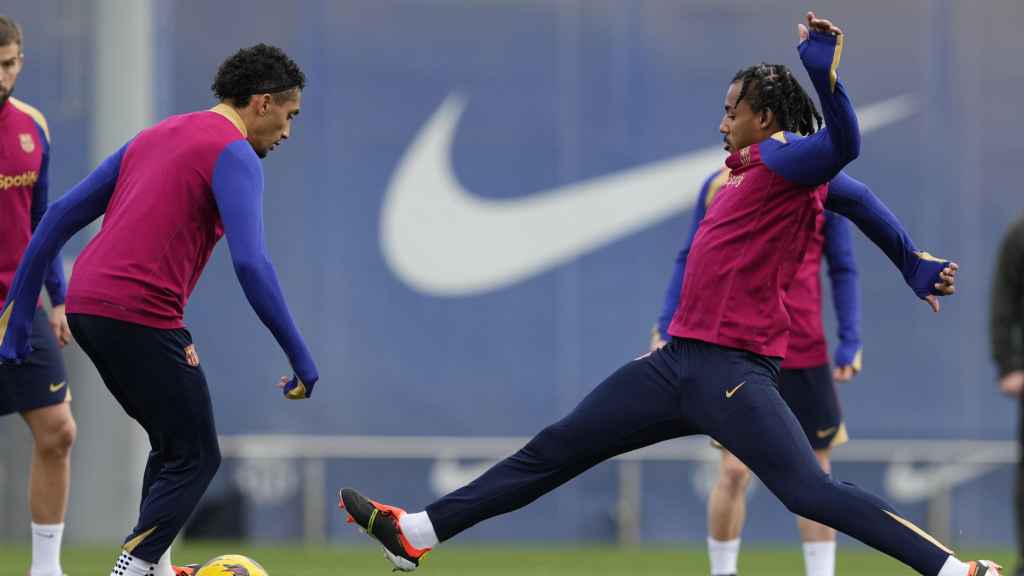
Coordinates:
(762,431)
(640,404)
(53,432)
(727,511)
(160,384)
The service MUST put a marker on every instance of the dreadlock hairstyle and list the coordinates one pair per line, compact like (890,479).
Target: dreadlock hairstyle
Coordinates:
(773,87)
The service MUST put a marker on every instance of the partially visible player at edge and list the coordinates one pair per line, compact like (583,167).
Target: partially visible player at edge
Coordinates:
(806,380)
(38,390)
(717,376)
(168,195)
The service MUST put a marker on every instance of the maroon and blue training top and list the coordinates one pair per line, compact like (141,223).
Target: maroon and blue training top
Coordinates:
(24,187)
(168,195)
(754,236)
(807,345)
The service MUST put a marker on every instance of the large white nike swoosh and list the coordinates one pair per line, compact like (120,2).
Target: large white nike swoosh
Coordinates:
(442,240)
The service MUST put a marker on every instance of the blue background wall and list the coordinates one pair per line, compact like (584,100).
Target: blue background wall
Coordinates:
(558,93)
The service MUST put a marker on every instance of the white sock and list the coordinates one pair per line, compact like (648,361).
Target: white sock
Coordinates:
(418,530)
(723,556)
(820,558)
(163,566)
(953,567)
(46,549)
(128,565)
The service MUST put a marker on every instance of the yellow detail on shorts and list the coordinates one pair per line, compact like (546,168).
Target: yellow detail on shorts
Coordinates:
(841,437)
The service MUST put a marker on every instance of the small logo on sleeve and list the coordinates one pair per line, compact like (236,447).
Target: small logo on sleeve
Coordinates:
(56,387)
(27,143)
(191,356)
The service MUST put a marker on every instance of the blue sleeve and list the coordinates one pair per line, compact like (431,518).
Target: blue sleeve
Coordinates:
(675,284)
(238,190)
(855,200)
(817,158)
(56,287)
(76,209)
(842,273)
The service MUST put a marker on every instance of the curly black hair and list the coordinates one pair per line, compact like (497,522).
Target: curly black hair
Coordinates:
(261,69)
(773,87)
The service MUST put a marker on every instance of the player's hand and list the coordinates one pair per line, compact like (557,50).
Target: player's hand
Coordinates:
(1012,384)
(817,25)
(295,389)
(848,359)
(933,278)
(59,325)
(656,340)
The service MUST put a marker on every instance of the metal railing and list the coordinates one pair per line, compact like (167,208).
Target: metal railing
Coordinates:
(917,469)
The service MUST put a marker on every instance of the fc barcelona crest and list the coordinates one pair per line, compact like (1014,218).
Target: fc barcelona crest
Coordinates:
(27,143)
(191,356)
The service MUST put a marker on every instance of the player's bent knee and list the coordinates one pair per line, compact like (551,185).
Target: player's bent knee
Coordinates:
(734,476)
(57,439)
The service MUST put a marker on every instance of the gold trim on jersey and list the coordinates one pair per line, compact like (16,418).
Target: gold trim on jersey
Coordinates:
(4,319)
(34,113)
(833,75)
(232,115)
(715,185)
(780,136)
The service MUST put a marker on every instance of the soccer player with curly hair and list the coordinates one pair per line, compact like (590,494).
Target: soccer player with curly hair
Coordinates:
(718,374)
(167,197)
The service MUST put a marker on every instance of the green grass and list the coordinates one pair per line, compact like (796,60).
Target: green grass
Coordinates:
(490,560)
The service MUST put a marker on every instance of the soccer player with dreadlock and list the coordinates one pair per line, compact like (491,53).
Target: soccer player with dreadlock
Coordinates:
(718,374)
(806,381)
(167,196)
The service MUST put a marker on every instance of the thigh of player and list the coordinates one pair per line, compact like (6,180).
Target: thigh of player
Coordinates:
(762,431)
(155,374)
(40,380)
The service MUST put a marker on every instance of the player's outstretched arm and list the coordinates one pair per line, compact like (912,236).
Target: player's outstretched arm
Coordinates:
(927,276)
(77,208)
(817,158)
(675,283)
(842,273)
(56,285)
(238,190)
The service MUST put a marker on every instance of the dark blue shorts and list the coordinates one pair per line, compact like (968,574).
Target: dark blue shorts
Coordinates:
(40,380)
(811,395)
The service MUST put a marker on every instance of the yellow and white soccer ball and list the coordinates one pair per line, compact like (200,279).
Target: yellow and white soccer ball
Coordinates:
(231,565)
